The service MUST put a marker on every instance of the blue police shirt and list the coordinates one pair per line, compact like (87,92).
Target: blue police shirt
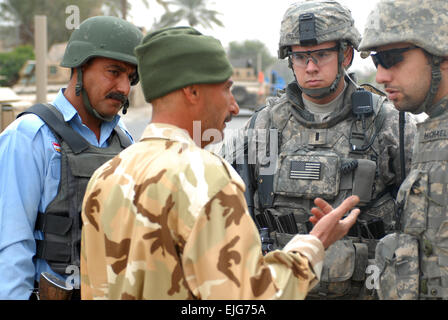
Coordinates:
(30,163)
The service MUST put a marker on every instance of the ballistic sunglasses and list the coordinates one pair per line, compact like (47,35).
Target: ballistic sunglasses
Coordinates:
(320,57)
(389,58)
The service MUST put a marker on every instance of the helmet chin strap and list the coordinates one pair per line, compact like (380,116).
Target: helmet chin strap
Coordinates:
(80,90)
(436,76)
(324,92)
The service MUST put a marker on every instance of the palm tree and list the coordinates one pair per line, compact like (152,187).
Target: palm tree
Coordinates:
(122,7)
(21,13)
(195,12)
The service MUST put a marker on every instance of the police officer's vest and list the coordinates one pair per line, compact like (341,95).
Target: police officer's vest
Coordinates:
(330,160)
(61,222)
(413,264)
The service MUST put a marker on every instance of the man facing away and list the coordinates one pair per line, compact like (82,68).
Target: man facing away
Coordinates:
(166,219)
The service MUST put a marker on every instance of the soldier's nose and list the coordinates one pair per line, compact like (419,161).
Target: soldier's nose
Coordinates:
(383,75)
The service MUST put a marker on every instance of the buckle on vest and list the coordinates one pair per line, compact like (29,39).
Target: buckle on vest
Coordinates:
(51,223)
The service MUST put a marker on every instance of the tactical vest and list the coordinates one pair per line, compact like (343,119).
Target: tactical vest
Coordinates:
(61,223)
(413,264)
(331,160)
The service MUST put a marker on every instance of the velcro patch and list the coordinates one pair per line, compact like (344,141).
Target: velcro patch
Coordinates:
(305,170)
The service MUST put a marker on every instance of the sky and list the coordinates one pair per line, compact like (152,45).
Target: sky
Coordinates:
(254,20)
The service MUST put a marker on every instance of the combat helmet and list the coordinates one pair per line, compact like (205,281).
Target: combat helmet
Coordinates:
(314,22)
(101,36)
(420,22)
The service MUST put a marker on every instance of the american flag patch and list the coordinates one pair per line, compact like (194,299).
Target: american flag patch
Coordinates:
(57,147)
(305,170)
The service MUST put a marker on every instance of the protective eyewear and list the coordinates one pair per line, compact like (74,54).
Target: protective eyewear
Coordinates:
(320,57)
(389,58)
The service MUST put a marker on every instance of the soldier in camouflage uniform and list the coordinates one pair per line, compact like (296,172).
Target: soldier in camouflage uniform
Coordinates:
(411,43)
(167,219)
(324,137)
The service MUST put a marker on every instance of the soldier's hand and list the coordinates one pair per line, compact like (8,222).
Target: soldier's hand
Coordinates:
(329,227)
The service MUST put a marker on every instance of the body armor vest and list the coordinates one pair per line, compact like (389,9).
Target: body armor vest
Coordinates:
(323,160)
(331,160)
(61,222)
(414,263)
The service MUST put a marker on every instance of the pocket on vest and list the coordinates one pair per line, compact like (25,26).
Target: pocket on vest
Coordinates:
(344,262)
(415,193)
(397,258)
(308,176)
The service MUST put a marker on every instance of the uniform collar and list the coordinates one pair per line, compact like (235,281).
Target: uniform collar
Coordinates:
(166,131)
(439,108)
(70,113)
(64,106)
(306,118)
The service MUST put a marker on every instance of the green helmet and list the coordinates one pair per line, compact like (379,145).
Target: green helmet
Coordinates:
(315,22)
(312,23)
(101,36)
(420,22)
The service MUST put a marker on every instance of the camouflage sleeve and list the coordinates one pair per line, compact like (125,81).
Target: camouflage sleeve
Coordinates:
(389,141)
(86,284)
(222,258)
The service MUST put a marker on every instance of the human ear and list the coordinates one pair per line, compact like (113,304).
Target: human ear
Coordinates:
(192,93)
(444,64)
(348,56)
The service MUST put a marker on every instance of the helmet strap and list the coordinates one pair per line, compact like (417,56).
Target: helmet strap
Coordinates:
(125,106)
(78,87)
(324,92)
(436,77)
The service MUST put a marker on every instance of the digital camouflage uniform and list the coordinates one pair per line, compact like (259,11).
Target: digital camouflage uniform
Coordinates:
(413,262)
(318,159)
(166,219)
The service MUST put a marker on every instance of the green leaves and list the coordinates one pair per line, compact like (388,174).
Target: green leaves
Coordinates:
(11,62)
(194,12)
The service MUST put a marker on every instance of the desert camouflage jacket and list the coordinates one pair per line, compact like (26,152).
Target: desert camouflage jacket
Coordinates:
(166,219)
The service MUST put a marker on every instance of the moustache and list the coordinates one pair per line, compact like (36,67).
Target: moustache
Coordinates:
(117,96)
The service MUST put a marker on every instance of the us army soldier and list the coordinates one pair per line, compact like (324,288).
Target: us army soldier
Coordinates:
(410,40)
(334,139)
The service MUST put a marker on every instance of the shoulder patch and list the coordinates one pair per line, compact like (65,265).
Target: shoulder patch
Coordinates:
(57,147)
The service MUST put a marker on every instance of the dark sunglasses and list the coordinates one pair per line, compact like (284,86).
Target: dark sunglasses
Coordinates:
(389,58)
